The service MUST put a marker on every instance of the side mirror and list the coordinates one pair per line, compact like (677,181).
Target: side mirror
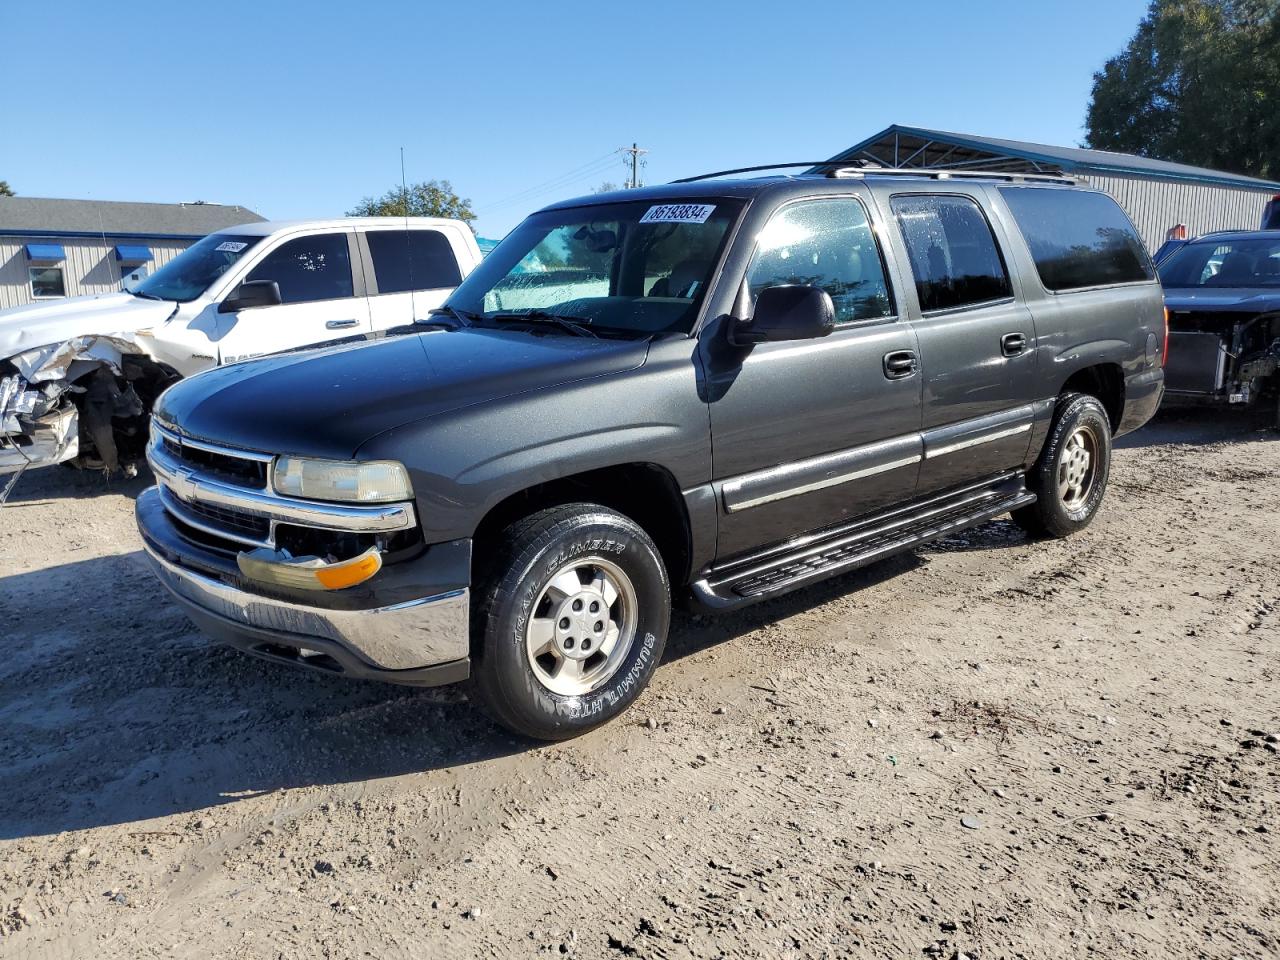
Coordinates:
(252,293)
(789,312)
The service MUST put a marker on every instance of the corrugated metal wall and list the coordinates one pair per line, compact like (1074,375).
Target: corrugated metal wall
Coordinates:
(90,265)
(1156,205)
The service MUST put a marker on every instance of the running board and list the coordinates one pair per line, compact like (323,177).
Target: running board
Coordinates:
(818,556)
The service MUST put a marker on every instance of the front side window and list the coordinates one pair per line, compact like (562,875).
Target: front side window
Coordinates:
(1235,263)
(1078,238)
(827,244)
(309,269)
(46,282)
(412,260)
(953,254)
(624,268)
(191,272)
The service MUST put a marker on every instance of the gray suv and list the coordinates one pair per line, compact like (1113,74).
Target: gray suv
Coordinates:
(718,390)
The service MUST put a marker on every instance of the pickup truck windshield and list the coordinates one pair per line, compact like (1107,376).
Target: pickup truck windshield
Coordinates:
(623,268)
(1253,262)
(189,274)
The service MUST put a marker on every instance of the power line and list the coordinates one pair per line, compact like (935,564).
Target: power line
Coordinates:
(590,168)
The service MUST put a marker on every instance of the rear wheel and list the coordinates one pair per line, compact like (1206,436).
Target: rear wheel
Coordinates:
(571,621)
(1070,478)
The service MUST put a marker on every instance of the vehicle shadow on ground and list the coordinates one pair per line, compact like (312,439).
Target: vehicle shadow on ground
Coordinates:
(118,710)
(1201,426)
(36,487)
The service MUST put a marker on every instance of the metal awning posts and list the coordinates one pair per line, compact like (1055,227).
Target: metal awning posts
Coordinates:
(45,252)
(133,253)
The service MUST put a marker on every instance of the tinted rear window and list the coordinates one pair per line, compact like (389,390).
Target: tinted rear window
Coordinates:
(412,260)
(1078,239)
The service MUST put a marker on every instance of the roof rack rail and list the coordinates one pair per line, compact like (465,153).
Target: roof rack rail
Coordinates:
(944,174)
(763,166)
(842,169)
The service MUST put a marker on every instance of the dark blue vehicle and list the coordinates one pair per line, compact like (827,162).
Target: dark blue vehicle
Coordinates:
(1222,291)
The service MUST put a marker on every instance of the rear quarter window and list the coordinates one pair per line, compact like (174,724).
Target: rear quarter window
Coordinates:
(1078,239)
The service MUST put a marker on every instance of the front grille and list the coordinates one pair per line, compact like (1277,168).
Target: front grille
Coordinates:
(236,521)
(222,466)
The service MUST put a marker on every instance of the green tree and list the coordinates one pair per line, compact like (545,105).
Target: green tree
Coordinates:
(1198,83)
(606,187)
(5,189)
(432,198)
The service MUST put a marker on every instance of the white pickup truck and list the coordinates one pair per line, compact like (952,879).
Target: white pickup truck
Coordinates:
(78,376)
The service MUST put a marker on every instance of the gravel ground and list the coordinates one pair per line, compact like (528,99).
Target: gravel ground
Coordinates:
(990,748)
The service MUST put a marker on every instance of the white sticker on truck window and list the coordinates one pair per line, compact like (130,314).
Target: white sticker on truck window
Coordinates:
(230,246)
(679,213)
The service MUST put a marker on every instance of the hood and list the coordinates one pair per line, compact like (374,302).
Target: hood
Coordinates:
(1224,299)
(56,321)
(326,403)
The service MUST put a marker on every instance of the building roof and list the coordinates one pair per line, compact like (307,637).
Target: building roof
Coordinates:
(40,216)
(899,146)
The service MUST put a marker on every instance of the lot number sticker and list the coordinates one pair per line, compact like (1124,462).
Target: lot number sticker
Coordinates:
(679,213)
(230,246)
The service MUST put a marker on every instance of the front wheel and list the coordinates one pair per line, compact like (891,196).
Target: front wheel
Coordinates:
(1070,477)
(571,621)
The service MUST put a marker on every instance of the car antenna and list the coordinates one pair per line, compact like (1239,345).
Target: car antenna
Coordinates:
(408,247)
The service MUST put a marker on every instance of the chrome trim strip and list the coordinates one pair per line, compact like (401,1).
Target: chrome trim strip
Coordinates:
(233,452)
(403,636)
(187,484)
(179,509)
(974,441)
(735,486)
(820,472)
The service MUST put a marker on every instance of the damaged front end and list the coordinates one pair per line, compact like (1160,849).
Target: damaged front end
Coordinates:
(83,401)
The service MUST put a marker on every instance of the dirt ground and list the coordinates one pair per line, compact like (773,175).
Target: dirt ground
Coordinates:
(988,748)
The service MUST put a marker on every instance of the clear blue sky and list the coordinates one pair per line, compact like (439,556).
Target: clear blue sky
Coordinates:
(300,109)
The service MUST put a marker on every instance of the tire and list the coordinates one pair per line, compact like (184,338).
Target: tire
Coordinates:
(1069,488)
(617,617)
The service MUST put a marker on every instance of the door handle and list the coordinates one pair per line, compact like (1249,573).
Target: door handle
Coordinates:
(1012,344)
(900,364)
(339,324)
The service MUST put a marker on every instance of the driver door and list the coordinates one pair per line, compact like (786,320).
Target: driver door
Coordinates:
(809,433)
(321,300)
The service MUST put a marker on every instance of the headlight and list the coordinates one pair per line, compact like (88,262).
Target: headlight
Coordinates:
(375,481)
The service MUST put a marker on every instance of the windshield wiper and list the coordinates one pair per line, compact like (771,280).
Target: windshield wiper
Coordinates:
(462,318)
(575,325)
(144,296)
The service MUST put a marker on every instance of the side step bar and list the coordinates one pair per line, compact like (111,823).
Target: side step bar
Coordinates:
(818,556)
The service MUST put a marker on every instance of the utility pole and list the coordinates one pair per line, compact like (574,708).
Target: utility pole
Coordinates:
(634,152)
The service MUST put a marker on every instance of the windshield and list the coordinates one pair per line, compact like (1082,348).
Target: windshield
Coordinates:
(190,273)
(623,268)
(1254,262)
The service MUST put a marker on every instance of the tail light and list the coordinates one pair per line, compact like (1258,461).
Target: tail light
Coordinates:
(1164,357)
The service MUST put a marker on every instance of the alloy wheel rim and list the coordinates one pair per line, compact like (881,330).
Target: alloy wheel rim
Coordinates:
(582,626)
(1078,467)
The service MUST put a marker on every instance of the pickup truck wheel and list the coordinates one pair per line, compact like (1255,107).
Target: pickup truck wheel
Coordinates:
(1070,477)
(571,622)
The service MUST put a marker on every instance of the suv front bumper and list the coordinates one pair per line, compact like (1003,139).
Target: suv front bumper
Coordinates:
(421,642)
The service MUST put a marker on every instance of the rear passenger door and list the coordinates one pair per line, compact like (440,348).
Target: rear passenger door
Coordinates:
(413,272)
(977,340)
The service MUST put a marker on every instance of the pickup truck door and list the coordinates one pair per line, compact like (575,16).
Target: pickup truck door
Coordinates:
(808,433)
(410,272)
(322,299)
(977,340)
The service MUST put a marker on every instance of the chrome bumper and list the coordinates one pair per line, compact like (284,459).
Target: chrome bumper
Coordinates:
(401,643)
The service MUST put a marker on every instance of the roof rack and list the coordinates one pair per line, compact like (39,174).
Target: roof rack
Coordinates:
(839,169)
(943,174)
(763,166)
